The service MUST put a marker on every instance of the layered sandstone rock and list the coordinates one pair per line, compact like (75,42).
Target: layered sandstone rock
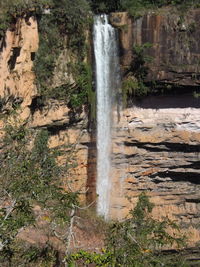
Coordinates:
(156,141)
(158,151)
(69,133)
(18,86)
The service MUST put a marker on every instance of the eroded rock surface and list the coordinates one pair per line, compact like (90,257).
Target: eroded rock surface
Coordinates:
(158,151)
(175,43)
(156,145)
(16,63)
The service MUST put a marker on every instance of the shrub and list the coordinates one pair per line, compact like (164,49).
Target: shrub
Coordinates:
(136,242)
(134,79)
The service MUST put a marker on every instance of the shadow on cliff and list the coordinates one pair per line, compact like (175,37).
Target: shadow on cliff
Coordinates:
(168,101)
(165,146)
(177,176)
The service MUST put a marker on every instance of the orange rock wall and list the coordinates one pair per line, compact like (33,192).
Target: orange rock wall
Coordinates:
(16,64)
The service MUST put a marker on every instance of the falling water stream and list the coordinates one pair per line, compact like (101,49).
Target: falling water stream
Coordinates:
(107,77)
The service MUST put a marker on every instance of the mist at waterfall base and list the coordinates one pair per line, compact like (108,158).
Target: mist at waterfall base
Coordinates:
(105,40)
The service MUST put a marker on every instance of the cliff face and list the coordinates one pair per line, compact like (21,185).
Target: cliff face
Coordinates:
(156,142)
(157,150)
(18,92)
(156,146)
(16,65)
(174,38)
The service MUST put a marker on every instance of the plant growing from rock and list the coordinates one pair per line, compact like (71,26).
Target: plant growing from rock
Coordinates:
(134,78)
(64,28)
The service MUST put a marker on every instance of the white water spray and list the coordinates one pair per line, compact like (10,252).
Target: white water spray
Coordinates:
(107,77)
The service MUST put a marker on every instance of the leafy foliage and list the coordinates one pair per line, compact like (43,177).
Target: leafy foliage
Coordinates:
(136,7)
(99,6)
(12,9)
(136,241)
(29,176)
(133,83)
(46,256)
(85,257)
(83,92)
(54,27)
(61,25)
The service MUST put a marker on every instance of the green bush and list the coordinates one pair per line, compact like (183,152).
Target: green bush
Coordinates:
(83,91)
(136,242)
(137,7)
(65,20)
(134,79)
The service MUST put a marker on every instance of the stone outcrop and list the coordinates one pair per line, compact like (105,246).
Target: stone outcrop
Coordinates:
(158,151)
(156,143)
(174,37)
(18,86)
(16,64)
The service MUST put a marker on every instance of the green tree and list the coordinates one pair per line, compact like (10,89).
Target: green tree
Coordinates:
(99,6)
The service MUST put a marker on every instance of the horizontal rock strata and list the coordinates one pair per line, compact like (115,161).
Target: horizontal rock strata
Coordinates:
(158,151)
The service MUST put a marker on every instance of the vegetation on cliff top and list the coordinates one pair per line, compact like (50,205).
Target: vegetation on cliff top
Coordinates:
(133,6)
(71,15)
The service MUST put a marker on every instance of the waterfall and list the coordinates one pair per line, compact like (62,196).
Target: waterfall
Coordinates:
(107,77)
